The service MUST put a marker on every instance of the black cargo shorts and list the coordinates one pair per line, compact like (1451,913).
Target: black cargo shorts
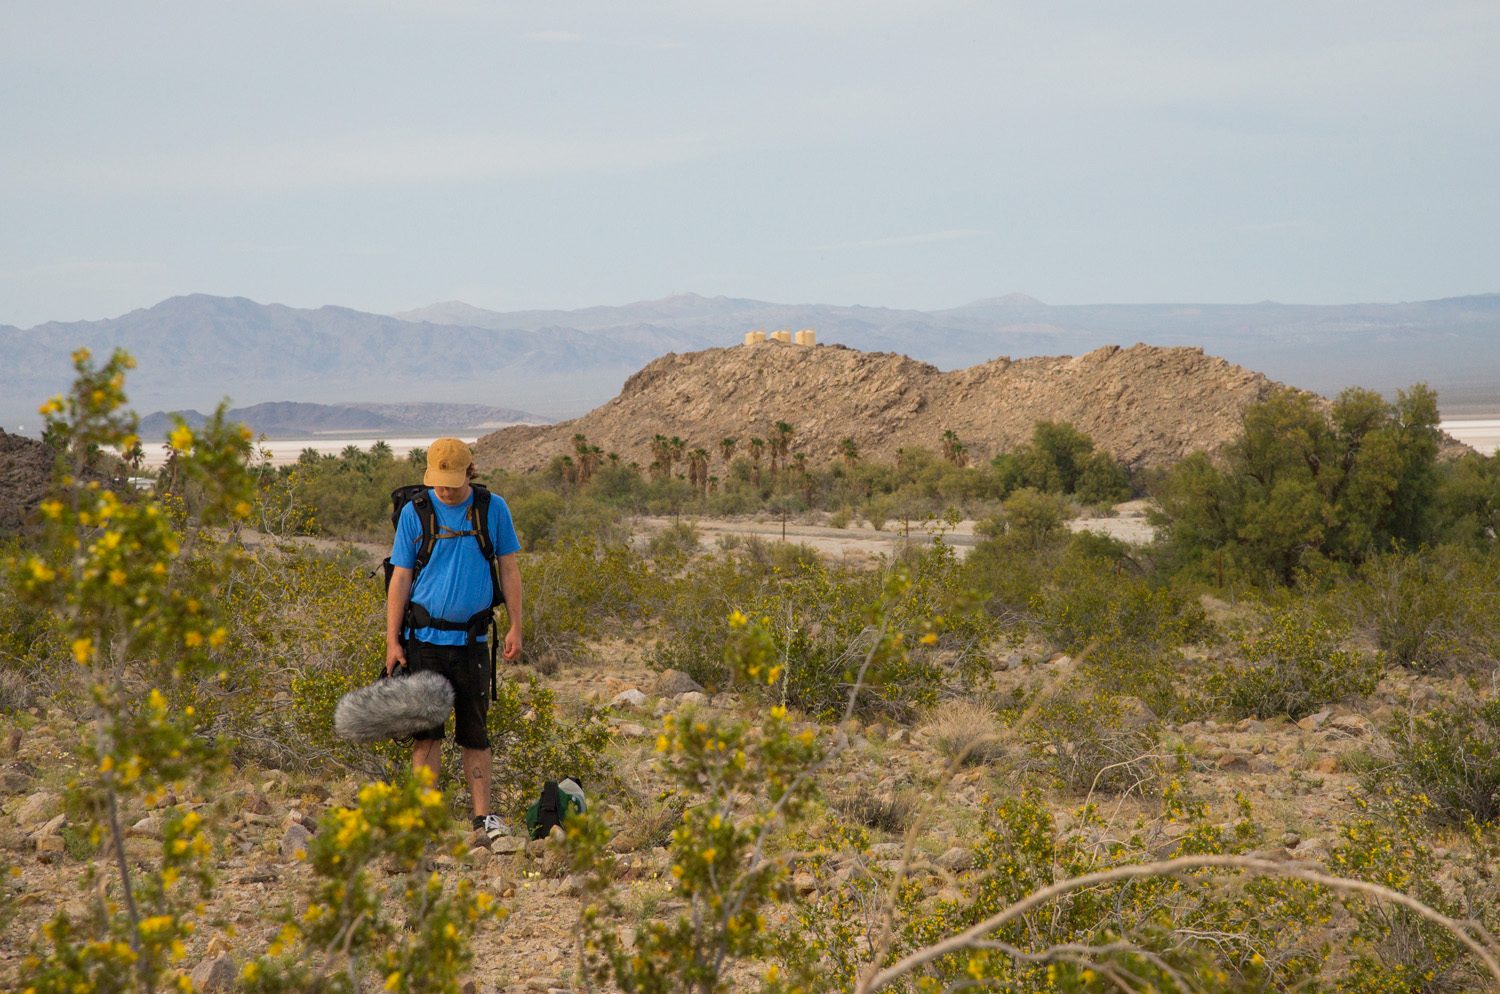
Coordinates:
(467,668)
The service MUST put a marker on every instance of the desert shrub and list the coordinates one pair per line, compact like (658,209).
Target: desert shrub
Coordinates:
(135,581)
(888,813)
(1431,608)
(830,625)
(1090,740)
(534,514)
(32,648)
(344,938)
(1095,600)
(16,692)
(306,628)
(646,822)
(534,740)
(1103,481)
(841,517)
(1451,757)
(574,591)
(345,496)
(1391,948)
(1031,519)
(724,874)
(1059,459)
(1468,501)
(677,540)
(1007,578)
(545,519)
(1200,933)
(1295,664)
(964,732)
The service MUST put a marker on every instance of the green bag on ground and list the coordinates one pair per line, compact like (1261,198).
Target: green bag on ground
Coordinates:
(560,798)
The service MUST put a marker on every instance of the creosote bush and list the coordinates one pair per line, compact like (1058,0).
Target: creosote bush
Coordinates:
(821,622)
(1296,664)
(343,939)
(723,866)
(1433,608)
(1450,757)
(134,582)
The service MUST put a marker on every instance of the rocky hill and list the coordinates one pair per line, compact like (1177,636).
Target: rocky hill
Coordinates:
(1145,405)
(25,472)
(194,351)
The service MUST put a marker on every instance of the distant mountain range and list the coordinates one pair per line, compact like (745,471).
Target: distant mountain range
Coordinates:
(194,351)
(289,419)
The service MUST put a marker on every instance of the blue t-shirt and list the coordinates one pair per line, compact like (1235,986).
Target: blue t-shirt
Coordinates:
(455,583)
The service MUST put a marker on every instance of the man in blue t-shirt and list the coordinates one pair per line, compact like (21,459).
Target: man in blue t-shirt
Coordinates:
(454,586)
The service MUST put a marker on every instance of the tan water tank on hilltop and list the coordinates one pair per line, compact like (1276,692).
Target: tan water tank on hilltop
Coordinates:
(754,337)
(806,337)
(782,335)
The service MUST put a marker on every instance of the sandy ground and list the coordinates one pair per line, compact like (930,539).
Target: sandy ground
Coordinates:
(1128,524)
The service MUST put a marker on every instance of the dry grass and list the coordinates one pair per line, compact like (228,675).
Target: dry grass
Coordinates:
(965,731)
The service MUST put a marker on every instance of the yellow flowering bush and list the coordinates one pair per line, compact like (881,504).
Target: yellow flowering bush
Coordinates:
(133,581)
(343,940)
(747,782)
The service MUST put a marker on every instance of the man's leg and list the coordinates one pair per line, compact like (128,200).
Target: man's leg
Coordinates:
(478,764)
(427,753)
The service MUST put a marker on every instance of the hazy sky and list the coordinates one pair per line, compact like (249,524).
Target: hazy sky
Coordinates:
(385,154)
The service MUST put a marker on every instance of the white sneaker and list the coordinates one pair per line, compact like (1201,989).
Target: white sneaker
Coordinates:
(491,826)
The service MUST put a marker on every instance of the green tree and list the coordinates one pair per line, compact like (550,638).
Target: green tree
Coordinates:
(1303,485)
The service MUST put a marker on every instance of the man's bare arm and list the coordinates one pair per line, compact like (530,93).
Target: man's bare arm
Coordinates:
(510,585)
(396,597)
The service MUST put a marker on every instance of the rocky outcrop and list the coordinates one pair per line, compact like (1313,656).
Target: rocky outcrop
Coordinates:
(25,475)
(1145,405)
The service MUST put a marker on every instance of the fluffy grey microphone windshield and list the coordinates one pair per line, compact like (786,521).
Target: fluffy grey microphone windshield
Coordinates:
(393,708)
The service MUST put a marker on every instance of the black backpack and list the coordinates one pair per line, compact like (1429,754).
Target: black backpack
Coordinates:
(417,616)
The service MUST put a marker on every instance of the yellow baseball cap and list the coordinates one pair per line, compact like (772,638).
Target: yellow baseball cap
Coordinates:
(448,462)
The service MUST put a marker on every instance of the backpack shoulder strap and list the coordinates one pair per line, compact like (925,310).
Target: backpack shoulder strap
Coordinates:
(479,519)
(422,505)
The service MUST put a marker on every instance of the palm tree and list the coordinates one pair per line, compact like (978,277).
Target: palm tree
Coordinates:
(698,469)
(726,448)
(799,463)
(849,451)
(781,444)
(588,457)
(757,450)
(953,449)
(661,457)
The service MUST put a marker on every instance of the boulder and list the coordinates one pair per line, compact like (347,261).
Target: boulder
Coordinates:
(673,682)
(215,974)
(631,698)
(37,808)
(1313,722)
(507,845)
(956,859)
(295,840)
(53,826)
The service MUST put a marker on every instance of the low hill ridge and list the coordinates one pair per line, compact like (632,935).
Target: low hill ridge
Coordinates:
(1145,405)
